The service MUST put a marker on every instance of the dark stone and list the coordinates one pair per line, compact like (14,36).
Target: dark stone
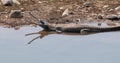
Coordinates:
(16,14)
(53,18)
(100,17)
(9,3)
(112,17)
(71,13)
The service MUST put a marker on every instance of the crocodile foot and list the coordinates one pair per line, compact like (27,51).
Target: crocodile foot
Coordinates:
(59,30)
(84,31)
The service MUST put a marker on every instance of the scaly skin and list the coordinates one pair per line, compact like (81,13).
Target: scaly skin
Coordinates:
(73,28)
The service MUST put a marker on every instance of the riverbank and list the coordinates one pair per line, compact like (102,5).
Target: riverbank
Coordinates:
(52,11)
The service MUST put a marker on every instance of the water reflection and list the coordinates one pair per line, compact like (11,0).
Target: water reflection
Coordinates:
(44,33)
(58,48)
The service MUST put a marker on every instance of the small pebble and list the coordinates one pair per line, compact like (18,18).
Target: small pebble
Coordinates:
(88,4)
(100,17)
(117,8)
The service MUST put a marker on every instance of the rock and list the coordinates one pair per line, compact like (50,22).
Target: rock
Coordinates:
(112,17)
(88,4)
(66,12)
(22,9)
(16,14)
(16,2)
(7,2)
(10,2)
(105,6)
(99,23)
(100,17)
(111,24)
(111,10)
(40,2)
(71,13)
(117,8)
(17,27)
(118,13)
(61,8)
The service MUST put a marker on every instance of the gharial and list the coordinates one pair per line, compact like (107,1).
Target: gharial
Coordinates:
(74,28)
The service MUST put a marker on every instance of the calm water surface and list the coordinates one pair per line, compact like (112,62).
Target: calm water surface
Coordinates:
(58,48)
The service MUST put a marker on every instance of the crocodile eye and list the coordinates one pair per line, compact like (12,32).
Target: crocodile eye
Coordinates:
(41,22)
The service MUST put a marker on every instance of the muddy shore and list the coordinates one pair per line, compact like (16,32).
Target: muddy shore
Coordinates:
(52,10)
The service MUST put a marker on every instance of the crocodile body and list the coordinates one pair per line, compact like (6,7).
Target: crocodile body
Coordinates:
(77,28)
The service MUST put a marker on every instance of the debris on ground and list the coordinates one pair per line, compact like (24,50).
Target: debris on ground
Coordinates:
(58,11)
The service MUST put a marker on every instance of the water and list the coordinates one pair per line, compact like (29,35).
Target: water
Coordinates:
(58,48)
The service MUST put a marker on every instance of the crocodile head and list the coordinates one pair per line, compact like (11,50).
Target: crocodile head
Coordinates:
(44,25)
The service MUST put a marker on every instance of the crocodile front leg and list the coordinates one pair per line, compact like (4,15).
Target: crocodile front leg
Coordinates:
(59,30)
(84,31)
